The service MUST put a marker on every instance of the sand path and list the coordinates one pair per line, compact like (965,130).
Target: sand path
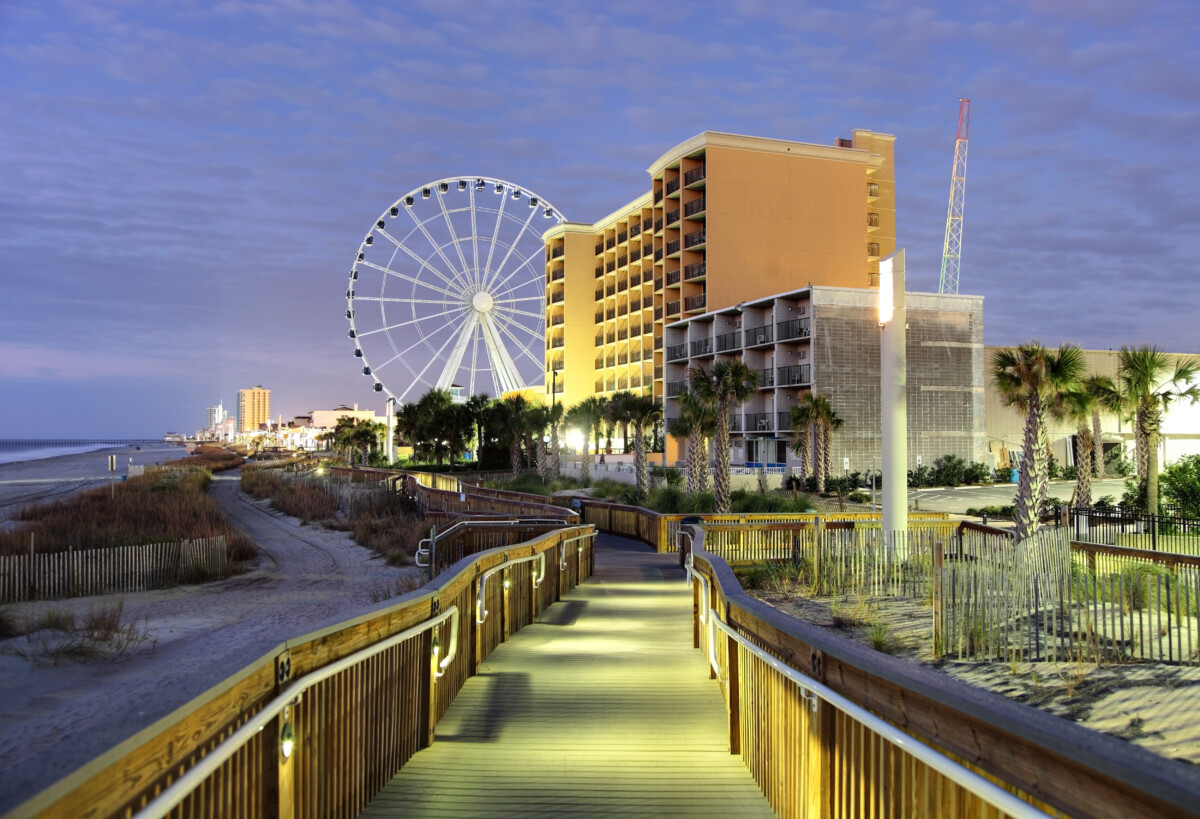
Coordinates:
(56,718)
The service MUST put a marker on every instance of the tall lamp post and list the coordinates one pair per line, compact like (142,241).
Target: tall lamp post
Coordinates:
(893,365)
(391,429)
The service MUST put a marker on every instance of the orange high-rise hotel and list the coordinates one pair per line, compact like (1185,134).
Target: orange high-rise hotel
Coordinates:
(727,219)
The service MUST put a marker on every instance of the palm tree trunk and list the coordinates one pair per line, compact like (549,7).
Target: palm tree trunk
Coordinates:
(1140,445)
(805,444)
(721,479)
(693,456)
(1083,477)
(1152,425)
(542,465)
(639,458)
(514,454)
(1029,484)
(1098,446)
(702,457)
(819,459)
(555,454)
(827,447)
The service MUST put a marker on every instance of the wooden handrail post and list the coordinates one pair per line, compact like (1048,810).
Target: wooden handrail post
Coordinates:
(734,690)
(695,613)
(426,700)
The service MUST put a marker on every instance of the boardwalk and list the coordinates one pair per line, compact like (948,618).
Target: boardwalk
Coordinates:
(602,708)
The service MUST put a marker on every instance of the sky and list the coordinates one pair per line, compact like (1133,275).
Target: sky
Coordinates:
(184,185)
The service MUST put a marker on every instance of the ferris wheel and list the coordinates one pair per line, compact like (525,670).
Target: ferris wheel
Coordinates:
(448,289)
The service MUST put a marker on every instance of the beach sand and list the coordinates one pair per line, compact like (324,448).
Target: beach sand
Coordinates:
(50,479)
(55,718)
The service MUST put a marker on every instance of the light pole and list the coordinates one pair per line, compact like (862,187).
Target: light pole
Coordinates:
(390,409)
(893,365)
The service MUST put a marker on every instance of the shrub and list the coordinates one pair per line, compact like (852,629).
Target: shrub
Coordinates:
(1115,463)
(1070,473)
(1004,474)
(1002,512)
(1179,483)
(978,473)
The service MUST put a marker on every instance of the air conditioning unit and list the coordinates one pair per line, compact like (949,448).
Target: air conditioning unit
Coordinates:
(760,338)
(762,425)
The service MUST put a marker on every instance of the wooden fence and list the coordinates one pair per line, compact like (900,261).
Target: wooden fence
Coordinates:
(81,572)
(816,721)
(1054,599)
(660,530)
(318,725)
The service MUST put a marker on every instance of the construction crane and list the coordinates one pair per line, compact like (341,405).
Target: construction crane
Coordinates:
(952,249)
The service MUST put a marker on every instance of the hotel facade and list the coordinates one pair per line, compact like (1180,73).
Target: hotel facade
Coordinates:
(727,219)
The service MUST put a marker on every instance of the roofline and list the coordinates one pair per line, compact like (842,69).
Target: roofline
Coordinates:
(743,142)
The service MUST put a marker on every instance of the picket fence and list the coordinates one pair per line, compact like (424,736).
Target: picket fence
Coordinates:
(81,572)
(1058,600)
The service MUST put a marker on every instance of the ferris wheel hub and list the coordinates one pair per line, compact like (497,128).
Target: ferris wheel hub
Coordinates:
(482,301)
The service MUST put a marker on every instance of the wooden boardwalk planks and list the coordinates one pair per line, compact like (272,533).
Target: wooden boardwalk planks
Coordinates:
(600,708)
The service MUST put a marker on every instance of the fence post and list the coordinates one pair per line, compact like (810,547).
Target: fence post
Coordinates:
(939,559)
(732,677)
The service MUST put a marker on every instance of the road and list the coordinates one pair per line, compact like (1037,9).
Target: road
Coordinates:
(959,499)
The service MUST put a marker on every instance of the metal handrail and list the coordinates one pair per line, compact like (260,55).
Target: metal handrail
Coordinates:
(813,692)
(427,553)
(481,613)
(182,787)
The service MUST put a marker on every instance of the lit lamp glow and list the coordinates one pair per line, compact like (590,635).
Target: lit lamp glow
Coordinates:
(287,736)
(575,439)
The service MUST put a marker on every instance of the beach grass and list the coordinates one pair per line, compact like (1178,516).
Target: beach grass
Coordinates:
(163,505)
(385,522)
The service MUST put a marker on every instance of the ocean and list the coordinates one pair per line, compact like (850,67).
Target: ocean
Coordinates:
(19,451)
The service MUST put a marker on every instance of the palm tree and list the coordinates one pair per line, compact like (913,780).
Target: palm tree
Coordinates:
(1150,387)
(512,424)
(477,408)
(1030,378)
(618,413)
(537,419)
(825,421)
(802,419)
(642,410)
(697,422)
(587,416)
(726,385)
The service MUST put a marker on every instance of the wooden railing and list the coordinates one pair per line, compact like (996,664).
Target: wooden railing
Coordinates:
(467,499)
(320,723)
(659,530)
(830,728)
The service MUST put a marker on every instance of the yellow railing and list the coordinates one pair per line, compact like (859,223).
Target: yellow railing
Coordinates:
(831,728)
(320,724)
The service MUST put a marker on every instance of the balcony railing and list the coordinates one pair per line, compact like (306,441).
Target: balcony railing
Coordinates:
(658,343)
(622,237)
(729,341)
(795,375)
(599,339)
(676,388)
(658,283)
(610,267)
(672,216)
(759,335)
(693,271)
(611,361)
(557,320)
(600,363)
(610,314)
(672,277)
(611,290)
(759,422)
(623,358)
(558,342)
(623,309)
(600,272)
(673,308)
(635,330)
(599,247)
(609,338)
(693,239)
(694,175)
(635,254)
(635,279)
(872,189)
(873,249)
(658,371)
(647,224)
(557,275)
(658,255)
(622,261)
(635,229)
(694,207)
(622,334)
(783,421)
(796,328)
(599,293)
(672,185)
(658,313)
(735,422)
(658,195)
(658,225)
(557,297)
(702,346)
(694,302)
(557,253)
(766,378)
(635,305)
(677,352)
(672,247)
(610,243)
(635,380)
(872,220)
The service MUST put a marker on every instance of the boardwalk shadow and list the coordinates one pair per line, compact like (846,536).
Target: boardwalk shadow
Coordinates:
(500,704)
(565,613)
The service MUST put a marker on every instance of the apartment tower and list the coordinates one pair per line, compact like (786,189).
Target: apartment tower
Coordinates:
(253,408)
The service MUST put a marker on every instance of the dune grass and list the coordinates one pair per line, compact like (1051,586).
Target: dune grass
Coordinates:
(162,505)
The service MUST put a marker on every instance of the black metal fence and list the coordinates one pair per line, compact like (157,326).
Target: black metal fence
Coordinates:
(1125,527)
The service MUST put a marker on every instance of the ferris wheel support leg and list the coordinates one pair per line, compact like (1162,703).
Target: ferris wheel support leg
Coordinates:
(504,370)
(454,361)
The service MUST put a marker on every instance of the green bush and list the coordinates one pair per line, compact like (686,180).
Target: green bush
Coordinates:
(1070,473)
(1004,474)
(1179,484)
(1000,512)
(1115,463)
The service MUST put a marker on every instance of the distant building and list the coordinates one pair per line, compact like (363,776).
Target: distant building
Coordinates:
(328,419)
(215,416)
(1005,426)
(254,409)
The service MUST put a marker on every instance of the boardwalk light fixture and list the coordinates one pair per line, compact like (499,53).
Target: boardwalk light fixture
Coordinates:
(893,369)
(287,735)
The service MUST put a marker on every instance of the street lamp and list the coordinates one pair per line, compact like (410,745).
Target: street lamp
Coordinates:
(893,366)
